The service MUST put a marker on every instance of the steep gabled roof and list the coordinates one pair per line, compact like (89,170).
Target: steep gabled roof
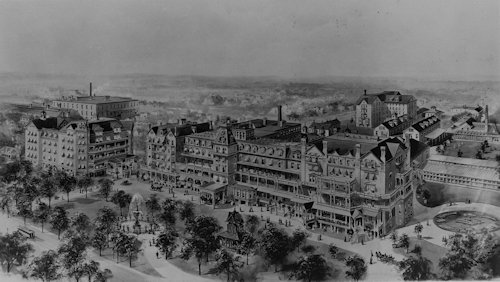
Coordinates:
(425,123)
(50,123)
(416,148)
(391,144)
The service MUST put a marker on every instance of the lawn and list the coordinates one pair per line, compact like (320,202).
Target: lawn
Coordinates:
(431,251)
(470,148)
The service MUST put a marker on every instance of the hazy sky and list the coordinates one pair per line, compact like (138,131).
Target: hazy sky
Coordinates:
(285,38)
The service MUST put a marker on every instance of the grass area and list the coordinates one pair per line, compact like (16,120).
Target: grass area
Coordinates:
(140,263)
(429,250)
(470,148)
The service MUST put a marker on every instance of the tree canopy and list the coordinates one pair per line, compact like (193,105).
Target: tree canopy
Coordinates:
(14,250)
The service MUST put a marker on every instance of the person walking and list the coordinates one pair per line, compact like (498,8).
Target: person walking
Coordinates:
(157,255)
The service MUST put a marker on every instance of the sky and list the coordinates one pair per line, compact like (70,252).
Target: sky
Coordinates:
(286,38)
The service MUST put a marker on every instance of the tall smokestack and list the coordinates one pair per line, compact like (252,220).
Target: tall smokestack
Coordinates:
(280,117)
(90,91)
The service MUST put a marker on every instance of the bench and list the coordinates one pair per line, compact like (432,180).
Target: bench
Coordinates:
(26,231)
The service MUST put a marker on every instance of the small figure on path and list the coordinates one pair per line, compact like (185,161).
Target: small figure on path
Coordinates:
(157,255)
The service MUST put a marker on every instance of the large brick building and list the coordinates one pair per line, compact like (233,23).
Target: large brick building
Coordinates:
(374,109)
(341,184)
(93,107)
(76,146)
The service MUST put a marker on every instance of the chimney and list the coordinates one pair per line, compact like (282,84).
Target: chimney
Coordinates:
(90,90)
(325,147)
(357,152)
(281,123)
(365,91)
(280,117)
(211,125)
(264,121)
(107,97)
(183,121)
(149,126)
(193,128)
(382,153)
(44,115)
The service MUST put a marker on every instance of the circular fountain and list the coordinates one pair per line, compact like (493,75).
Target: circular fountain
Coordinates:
(135,221)
(465,221)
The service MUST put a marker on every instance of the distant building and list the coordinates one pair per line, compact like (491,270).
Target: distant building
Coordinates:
(79,147)
(10,153)
(392,127)
(420,130)
(93,107)
(470,173)
(325,128)
(475,111)
(433,111)
(373,109)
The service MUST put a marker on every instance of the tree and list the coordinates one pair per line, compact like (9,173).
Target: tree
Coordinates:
(194,246)
(404,241)
(308,249)
(90,267)
(42,214)
(418,229)
(73,252)
(470,253)
(14,250)
(186,211)
(357,267)
(81,223)
(247,245)
(426,195)
(127,245)
(298,238)
(312,267)
(416,268)
(252,223)
(16,170)
(333,250)
(24,207)
(59,220)
(103,275)
(45,267)
(153,204)
(105,187)
(84,182)
(66,182)
(6,202)
(167,241)
(394,237)
(99,240)
(202,239)
(106,220)
(275,245)
(227,263)
(121,199)
(479,155)
(48,186)
(168,213)
(77,271)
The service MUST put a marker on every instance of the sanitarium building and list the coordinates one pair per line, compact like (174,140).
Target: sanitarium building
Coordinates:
(343,182)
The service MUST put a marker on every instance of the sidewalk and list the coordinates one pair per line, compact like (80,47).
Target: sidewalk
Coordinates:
(377,271)
(164,267)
